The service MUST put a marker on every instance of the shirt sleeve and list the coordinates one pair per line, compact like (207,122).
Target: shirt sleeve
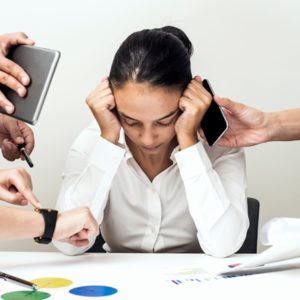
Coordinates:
(215,185)
(91,165)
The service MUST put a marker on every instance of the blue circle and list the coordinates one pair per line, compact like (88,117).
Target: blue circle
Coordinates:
(93,291)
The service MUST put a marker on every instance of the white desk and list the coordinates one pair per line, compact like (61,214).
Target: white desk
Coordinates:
(148,276)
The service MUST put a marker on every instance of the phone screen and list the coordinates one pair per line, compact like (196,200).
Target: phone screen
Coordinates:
(213,124)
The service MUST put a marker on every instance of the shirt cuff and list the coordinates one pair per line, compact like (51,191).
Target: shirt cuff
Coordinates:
(106,155)
(193,161)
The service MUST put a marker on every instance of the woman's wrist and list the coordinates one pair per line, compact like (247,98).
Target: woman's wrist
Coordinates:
(110,137)
(186,141)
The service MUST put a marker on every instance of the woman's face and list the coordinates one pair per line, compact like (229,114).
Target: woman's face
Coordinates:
(148,114)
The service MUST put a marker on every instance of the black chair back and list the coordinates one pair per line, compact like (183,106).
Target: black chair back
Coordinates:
(250,243)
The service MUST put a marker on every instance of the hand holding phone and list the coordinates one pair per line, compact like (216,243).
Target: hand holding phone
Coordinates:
(214,123)
(39,64)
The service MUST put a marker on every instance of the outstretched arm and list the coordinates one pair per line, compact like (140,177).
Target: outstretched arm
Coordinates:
(75,226)
(249,126)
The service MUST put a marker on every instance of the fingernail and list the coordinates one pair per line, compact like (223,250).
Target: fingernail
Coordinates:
(25,79)
(9,109)
(21,92)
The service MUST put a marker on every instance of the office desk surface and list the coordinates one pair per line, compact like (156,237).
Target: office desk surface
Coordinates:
(148,276)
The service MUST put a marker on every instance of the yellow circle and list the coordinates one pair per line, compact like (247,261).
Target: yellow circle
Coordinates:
(51,282)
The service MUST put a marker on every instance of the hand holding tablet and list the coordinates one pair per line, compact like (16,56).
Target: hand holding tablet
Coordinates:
(40,65)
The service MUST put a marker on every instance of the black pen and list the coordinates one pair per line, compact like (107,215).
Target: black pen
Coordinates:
(18,281)
(21,147)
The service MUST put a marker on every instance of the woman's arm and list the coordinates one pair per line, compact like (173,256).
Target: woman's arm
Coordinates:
(89,171)
(216,193)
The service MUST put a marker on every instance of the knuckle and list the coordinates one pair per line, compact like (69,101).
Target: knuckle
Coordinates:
(20,171)
(206,99)
(110,97)
(85,210)
(21,34)
(7,65)
(4,77)
(186,93)
(190,85)
(2,45)
(90,99)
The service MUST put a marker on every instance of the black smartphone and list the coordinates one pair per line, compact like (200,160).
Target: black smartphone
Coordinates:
(214,123)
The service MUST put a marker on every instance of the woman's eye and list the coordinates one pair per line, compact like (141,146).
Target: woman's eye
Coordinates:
(168,123)
(130,123)
(165,124)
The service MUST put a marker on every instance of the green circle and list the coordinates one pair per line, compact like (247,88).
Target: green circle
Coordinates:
(26,295)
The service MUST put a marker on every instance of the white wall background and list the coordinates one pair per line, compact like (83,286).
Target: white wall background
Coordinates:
(248,49)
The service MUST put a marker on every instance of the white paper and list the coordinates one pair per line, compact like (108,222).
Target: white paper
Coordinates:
(280,230)
(262,262)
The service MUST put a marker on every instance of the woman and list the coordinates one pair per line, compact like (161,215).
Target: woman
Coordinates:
(152,185)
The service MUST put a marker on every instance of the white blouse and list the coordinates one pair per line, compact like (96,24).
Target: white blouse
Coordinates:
(199,201)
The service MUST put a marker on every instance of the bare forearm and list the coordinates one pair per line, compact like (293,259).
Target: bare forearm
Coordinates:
(284,125)
(20,224)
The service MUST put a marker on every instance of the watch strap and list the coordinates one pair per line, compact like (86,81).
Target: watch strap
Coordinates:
(50,218)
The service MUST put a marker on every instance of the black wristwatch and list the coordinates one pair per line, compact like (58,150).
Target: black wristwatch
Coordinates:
(50,217)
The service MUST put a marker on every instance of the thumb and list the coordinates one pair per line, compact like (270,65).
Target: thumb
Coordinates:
(20,38)
(12,126)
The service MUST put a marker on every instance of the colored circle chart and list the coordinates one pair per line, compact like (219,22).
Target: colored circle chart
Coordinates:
(28,295)
(51,282)
(93,291)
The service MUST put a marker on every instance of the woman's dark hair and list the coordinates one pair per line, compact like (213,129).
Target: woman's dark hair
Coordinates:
(159,56)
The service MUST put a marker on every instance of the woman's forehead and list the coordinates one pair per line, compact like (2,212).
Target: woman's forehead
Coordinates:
(144,92)
(137,100)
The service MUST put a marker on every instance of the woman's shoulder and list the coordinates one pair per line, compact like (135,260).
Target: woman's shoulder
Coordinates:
(87,137)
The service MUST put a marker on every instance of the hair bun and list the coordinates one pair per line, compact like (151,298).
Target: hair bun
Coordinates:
(179,34)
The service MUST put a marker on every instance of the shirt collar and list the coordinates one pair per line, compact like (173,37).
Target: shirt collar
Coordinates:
(122,143)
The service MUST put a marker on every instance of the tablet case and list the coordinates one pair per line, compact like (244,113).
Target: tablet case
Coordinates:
(39,64)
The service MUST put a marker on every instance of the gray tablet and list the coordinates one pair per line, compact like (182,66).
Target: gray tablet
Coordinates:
(40,65)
